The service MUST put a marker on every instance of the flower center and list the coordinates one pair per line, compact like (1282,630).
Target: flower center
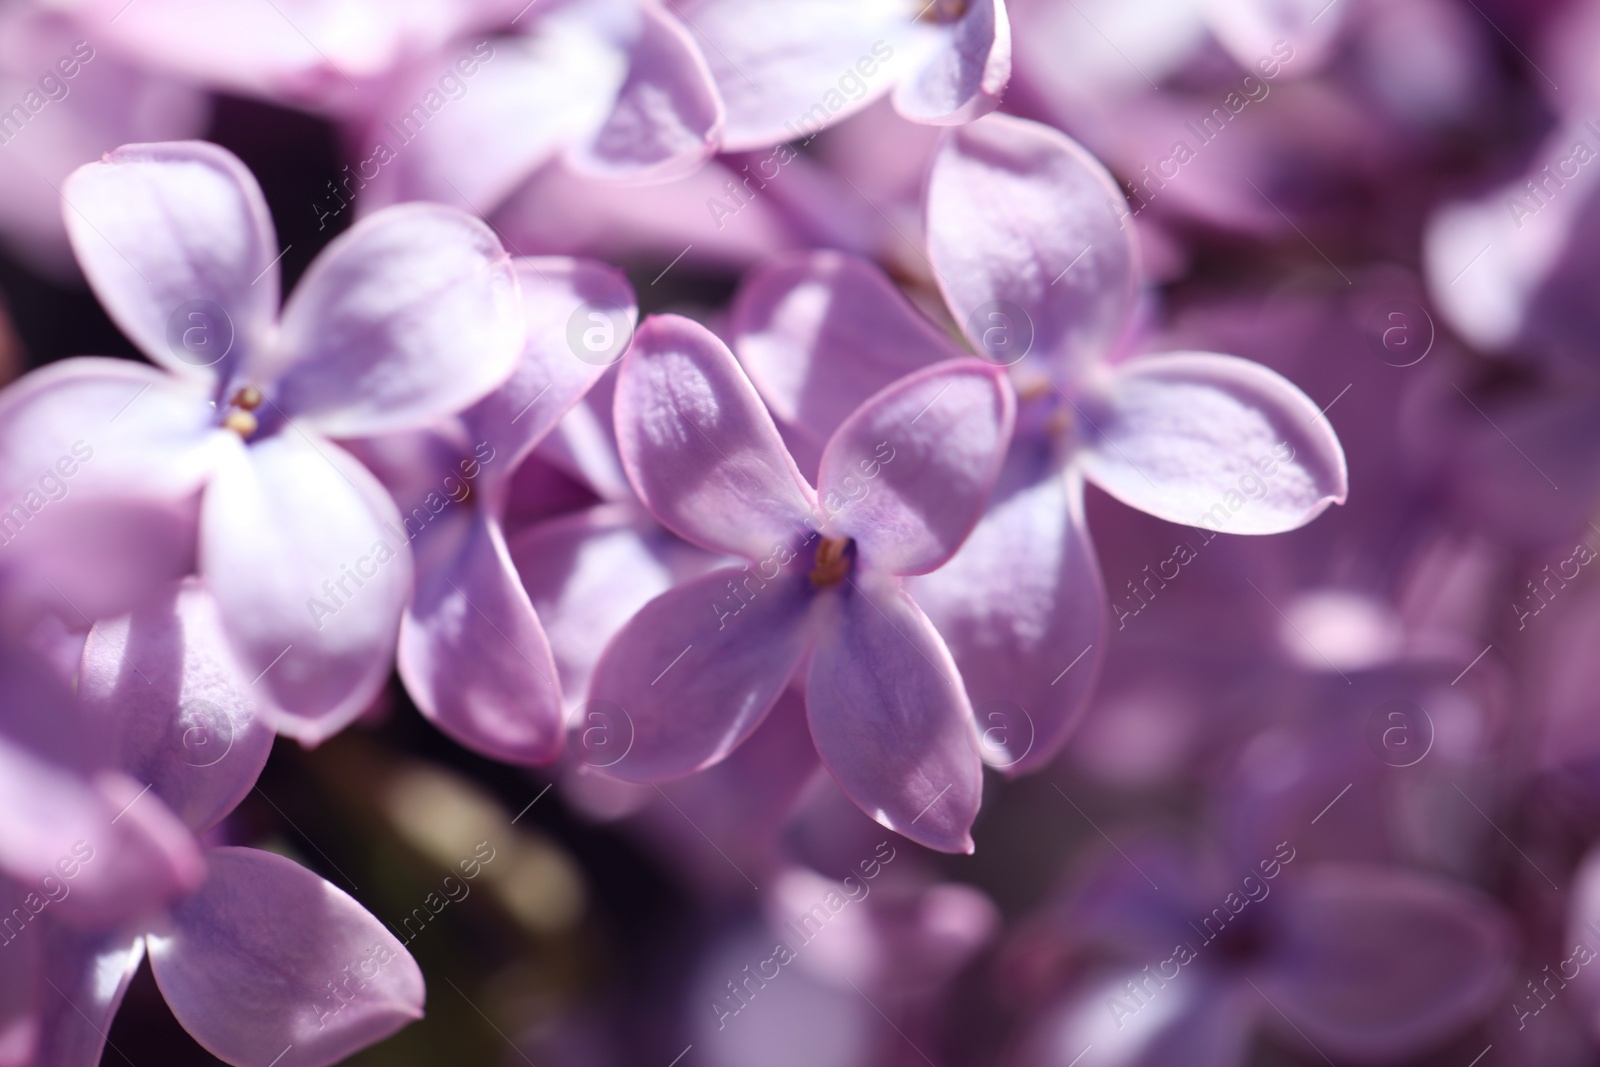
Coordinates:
(832,562)
(943,11)
(240,417)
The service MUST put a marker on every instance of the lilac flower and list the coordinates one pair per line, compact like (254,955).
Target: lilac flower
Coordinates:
(789,69)
(615,89)
(1365,963)
(225,455)
(68,808)
(900,484)
(1027,235)
(472,652)
(591,570)
(264,963)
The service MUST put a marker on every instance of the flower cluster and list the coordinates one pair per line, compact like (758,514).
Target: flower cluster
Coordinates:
(804,435)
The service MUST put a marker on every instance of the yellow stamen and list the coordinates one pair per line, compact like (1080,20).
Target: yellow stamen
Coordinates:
(944,11)
(247,398)
(242,423)
(831,564)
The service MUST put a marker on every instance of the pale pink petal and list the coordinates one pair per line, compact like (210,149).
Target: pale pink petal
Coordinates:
(1027,235)
(85,976)
(786,71)
(819,333)
(588,573)
(667,118)
(269,964)
(908,474)
(965,73)
(1214,441)
(125,853)
(1022,608)
(410,316)
(697,669)
(472,652)
(104,463)
(303,550)
(700,448)
(580,317)
(890,719)
(173,707)
(176,240)
(530,95)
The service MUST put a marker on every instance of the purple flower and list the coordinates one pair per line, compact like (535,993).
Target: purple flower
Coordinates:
(614,89)
(1363,962)
(789,69)
(589,571)
(264,963)
(223,462)
(472,652)
(900,484)
(1028,237)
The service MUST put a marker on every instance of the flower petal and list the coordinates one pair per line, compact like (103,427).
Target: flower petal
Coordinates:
(410,316)
(104,462)
(700,448)
(891,721)
(1026,234)
(698,668)
(303,550)
(472,652)
(667,119)
(819,333)
(89,973)
(268,960)
(177,242)
(165,692)
(1215,441)
(531,94)
(588,573)
(126,853)
(783,69)
(965,73)
(908,474)
(1022,608)
(580,318)
(1381,964)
